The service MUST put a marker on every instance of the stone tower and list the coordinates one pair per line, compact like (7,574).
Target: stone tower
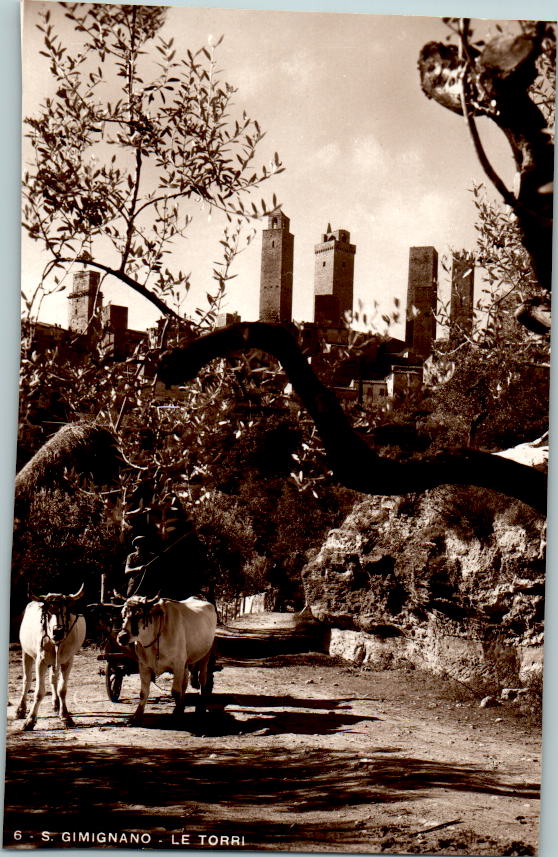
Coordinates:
(422,294)
(462,295)
(115,330)
(333,277)
(276,280)
(85,302)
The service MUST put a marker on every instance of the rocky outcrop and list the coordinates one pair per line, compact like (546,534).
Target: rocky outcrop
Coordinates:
(452,580)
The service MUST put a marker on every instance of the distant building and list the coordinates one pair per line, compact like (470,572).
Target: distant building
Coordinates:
(226,318)
(375,392)
(90,324)
(422,294)
(44,336)
(462,296)
(360,367)
(84,302)
(404,380)
(276,280)
(333,277)
(116,337)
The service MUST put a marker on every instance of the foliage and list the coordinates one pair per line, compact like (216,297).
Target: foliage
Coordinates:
(233,445)
(133,140)
(497,394)
(237,451)
(257,519)
(500,255)
(69,541)
(495,400)
(543,88)
(230,543)
(467,512)
(131,143)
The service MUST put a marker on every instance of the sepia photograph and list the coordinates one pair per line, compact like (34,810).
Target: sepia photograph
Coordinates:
(279,541)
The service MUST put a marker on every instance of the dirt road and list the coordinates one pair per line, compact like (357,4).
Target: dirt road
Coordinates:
(298,753)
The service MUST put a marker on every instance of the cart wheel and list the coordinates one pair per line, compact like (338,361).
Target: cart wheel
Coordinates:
(113,681)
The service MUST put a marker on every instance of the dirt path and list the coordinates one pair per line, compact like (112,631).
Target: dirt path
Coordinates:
(298,753)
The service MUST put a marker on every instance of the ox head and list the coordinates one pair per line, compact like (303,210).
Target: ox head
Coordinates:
(137,613)
(57,612)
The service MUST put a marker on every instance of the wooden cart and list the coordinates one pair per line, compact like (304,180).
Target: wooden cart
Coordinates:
(121,660)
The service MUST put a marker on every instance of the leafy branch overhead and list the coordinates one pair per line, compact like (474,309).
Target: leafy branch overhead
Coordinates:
(353,462)
(496,79)
(115,181)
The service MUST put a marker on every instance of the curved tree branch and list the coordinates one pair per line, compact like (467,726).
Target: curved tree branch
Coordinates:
(468,56)
(352,461)
(489,170)
(129,281)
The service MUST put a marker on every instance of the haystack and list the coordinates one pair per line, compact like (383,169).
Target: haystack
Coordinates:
(90,451)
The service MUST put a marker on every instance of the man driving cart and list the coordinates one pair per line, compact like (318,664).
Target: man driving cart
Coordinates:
(142,570)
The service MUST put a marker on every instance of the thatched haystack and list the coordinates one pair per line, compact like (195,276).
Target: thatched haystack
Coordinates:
(89,450)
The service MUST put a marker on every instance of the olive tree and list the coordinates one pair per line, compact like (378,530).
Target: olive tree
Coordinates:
(132,141)
(499,79)
(460,69)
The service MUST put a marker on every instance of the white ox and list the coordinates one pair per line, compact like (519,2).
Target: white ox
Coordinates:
(170,636)
(50,635)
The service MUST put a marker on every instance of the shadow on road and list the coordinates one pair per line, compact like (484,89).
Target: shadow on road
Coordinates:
(250,713)
(121,785)
(285,793)
(216,723)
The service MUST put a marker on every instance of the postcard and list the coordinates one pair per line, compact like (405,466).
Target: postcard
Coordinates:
(278,568)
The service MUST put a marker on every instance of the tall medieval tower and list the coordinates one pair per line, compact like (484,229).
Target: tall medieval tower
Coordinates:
(422,294)
(276,280)
(333,277)
(462,296)
(85,302)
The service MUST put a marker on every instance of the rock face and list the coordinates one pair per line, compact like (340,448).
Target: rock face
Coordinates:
(452,580)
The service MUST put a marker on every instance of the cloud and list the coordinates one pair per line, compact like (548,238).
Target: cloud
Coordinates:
(299,72)
(411,158)
(327,155)
(301,69)
(368,155)
(419,216)
(251,81)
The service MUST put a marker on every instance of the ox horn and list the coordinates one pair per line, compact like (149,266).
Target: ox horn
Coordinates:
(117,596)
(40,598)
(77,595)
(153,600)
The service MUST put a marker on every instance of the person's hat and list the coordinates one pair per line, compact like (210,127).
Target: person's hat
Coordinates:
(138,539)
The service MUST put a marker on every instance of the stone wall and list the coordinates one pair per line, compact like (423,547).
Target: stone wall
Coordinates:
(451,581)
(244,605)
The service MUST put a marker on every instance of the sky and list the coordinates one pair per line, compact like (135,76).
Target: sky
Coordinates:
(338,96)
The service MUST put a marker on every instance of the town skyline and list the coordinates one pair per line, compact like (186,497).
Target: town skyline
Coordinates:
(363,150)
(275,293)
